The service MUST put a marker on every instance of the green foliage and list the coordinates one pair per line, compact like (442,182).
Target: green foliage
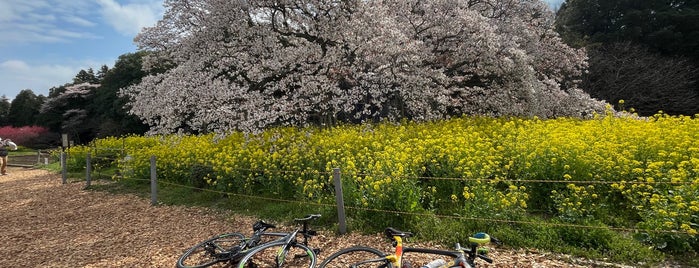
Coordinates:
(25,108)
(4,110)
(110,116)
(668,27)
(644,52)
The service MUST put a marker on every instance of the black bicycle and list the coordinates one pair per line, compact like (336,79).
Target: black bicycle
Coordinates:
(233,248)
(360,256)
(285,252)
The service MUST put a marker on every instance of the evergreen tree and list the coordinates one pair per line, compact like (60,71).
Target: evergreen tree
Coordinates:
(4,110)
(84,76)
(25,108)
(102,72)
(668,27)
(109,108)
(645,52)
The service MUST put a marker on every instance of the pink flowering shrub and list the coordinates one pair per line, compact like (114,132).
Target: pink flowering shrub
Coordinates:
(23,136)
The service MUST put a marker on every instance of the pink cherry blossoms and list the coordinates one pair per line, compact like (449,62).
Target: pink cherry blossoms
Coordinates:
(247,65)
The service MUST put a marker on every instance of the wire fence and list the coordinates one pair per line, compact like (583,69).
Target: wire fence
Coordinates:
(41,157)
(340,207)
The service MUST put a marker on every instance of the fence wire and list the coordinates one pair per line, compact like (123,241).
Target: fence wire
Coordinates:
(453,217)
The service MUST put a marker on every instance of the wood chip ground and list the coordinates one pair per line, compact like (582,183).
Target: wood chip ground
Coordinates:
(44,223)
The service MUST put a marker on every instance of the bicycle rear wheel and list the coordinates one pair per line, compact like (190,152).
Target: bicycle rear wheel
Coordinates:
(279,254)
(361,257)
(219,249)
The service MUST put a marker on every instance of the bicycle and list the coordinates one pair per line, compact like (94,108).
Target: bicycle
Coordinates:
(360,256)
(232,248)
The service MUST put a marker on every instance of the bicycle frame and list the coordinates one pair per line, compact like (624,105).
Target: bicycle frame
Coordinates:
(219,248)
(458,256)
(397,257)
(287,238)
(250,244)
(290,238)
(285,244)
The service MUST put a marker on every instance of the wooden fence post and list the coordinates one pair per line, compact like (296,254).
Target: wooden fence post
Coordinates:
(88,170)
(64,171)
(340,201)
(153,182)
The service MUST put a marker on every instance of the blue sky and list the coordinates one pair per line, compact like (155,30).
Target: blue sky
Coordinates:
(45,43)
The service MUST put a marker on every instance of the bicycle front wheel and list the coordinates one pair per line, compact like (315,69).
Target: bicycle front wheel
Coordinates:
(360,257)
(219,249)
(279,254)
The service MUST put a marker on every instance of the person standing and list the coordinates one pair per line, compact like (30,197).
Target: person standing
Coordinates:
(4,144)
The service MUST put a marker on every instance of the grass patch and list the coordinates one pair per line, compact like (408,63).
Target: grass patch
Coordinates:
(276,211)
(587,243)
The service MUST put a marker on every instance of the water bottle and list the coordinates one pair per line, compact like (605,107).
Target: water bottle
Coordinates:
(435,264)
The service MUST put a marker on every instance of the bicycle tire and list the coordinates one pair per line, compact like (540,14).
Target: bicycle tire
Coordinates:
(275,253)
(212,251)
(345,257)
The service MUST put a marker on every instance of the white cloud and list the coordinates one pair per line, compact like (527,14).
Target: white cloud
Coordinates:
(16,65)
(79,21)
(45,43)
(19,75)
(11,10)
(39,21)
(42,21)
(6,13)
(129,19)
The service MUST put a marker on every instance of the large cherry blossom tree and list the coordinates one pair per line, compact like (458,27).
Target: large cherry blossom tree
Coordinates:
(249,64)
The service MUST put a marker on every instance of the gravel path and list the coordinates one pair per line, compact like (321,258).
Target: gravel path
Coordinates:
(44,223)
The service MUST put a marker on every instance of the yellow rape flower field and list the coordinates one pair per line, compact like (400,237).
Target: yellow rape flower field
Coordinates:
(622,177)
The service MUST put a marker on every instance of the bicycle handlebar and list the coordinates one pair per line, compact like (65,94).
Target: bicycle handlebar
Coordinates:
(262,226)
(485,258)
(308,217)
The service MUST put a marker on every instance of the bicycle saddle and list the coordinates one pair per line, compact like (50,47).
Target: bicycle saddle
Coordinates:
(259,225)
(391,232)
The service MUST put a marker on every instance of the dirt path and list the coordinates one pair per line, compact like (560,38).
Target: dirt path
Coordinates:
(44,223)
